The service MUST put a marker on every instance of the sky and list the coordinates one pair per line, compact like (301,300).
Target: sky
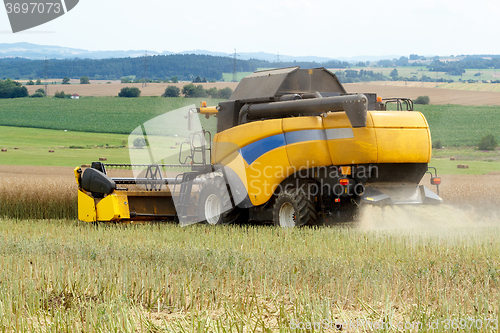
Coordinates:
(331,29)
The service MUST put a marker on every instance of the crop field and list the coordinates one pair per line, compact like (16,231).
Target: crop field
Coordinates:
(459,125)
(97,114)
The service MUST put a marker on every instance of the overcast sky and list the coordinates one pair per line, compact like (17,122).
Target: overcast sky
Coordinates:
(292,27)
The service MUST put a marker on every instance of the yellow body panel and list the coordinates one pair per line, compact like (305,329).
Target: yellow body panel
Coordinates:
(284,146)
(403,145)
(398,119)
(113,207)
(264,175)
(302,123)
(360,149)
(86,208)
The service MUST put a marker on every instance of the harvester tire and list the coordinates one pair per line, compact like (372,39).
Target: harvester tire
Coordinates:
(214,203)
(294,209)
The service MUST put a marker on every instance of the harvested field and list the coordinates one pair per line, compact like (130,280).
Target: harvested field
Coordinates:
(397,267)
(415,89)
(112,89)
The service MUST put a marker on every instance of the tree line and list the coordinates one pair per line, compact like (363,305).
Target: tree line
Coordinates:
(158,67)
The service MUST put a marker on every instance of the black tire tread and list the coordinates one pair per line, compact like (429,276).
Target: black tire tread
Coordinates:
(304,207)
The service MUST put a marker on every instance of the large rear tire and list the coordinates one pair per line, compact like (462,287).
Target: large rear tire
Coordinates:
(293,209)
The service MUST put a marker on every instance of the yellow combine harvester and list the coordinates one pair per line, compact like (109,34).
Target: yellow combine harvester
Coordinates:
(292,147)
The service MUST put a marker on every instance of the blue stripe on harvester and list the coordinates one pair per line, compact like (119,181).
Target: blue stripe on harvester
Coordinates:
(254,150)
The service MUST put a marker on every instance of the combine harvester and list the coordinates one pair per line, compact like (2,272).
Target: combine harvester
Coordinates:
(292,147)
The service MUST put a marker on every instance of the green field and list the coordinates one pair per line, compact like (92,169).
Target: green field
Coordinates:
(461,125)
(453,125)
(91,114)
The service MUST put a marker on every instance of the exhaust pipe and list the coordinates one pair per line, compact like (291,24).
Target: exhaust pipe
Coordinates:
(355,106)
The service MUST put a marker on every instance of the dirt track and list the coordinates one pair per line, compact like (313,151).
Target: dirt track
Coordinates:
(437,95)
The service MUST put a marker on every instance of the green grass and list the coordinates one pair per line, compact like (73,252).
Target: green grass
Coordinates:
(447,167)
(69,276)
(73,148)
(91,114)
(467,154)
(21,137)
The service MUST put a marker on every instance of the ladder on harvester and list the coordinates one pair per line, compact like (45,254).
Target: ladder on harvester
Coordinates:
(200,143)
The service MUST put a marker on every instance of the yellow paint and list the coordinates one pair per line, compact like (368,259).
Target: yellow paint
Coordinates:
(77,175)
(113,207)
(248,133)
(398,119)
(86,208)
(208,110)
(403,145)
(358,150)
(265,174)
(308,154)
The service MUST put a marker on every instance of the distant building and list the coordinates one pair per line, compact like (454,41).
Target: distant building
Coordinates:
(75,96)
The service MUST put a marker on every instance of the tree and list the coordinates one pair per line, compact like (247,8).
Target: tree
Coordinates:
(61,95)
(175,79)
(65,80)
(84,80)
(212,92)
(190,90)
(30,83)
(422,100)
(38,82)
(488,142)
(172,91)
(129,92)
(38,94)
(225,93)
(394,73)
(197,79)
(12,89)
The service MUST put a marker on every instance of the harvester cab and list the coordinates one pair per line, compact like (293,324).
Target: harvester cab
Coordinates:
(291,147)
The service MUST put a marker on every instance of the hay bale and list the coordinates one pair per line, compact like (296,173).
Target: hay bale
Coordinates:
(3,149)
(462,166)
(452,158)
(103,159)
(85,166)
(51,151)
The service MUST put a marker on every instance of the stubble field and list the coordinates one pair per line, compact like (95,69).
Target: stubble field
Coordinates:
(411,266)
